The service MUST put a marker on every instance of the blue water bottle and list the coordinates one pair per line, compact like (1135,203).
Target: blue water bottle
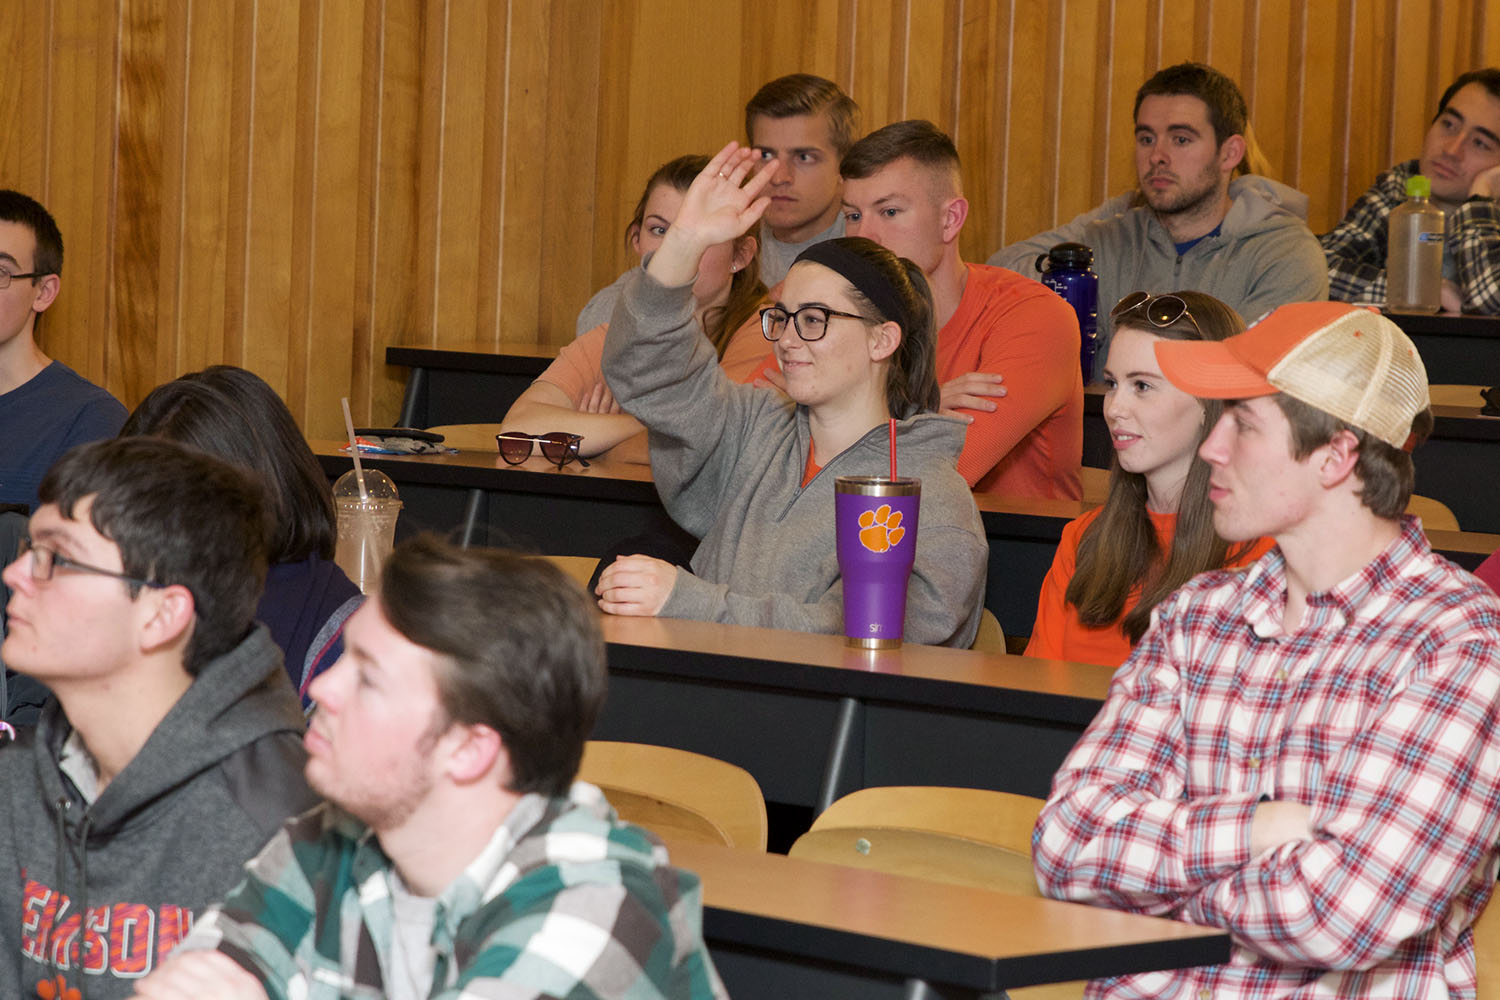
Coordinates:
(1068,269)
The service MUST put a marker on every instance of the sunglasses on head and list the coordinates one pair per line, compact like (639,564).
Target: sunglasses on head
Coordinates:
(558,447)
(1160,311)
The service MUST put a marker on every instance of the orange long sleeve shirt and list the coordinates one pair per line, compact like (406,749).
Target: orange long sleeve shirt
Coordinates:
(1059,635)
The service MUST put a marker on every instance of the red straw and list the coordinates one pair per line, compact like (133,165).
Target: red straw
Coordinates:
(893,447)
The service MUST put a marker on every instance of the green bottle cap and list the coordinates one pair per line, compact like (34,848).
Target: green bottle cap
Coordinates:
(1418,186)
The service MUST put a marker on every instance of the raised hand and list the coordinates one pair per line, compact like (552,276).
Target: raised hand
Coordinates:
(720,205)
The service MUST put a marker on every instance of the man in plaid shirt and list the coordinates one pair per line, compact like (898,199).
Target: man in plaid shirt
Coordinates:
(1304,753)
(1461,157)
(453,860)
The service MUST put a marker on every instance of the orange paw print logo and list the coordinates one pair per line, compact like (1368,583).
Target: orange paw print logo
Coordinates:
(57,988)
(880,530)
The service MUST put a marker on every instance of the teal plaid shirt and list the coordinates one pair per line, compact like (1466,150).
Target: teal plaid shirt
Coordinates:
(564,901)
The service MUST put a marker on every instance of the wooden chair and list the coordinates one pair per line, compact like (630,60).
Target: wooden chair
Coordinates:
(1487,951)
(991,637)
(1435,514)
(677,794)
(966,836)
(580,569)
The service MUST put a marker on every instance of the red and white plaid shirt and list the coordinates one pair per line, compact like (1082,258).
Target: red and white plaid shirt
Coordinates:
(1381,713)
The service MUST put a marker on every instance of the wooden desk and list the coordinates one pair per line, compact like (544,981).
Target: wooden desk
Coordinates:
(780,927)
(536,507)
(814,720)
(1455,465)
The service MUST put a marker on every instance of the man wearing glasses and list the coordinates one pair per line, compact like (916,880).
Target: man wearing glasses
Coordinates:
(173,748)
(45,407)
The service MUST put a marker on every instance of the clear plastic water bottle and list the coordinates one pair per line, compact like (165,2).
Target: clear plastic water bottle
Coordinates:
(1068,269)
(1414,252)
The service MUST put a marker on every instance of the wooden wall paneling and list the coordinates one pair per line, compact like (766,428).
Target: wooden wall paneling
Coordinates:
(1179,33)
(387,274)
(259,258)
(615,191)
(1134,35)
(983,124)
(1102,128)
(322,351)
(520,152)
(136,264)
(567,203)
(456,185)
(879,62)
(174,178)
(200,333)
(1413,72)
(930,53)
(1077,162)
(26,46)
(1030,156)
(1272,90)
(72,140)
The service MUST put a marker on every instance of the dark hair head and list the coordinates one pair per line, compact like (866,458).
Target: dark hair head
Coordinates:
(746,290)
(233,414)
(677,174)
(1386,474)
(1119,552)
(1488,77)
(1226,105)
(916,139)
(911,382)
(519,644)
(179,516)
(17,207)
(805,94)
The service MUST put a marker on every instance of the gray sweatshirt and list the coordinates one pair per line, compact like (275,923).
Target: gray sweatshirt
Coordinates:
(728,461)
(1263,255)
(165,838)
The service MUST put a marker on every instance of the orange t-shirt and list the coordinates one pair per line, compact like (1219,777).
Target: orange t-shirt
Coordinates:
(579,366)
(1059,635)
(1006,324)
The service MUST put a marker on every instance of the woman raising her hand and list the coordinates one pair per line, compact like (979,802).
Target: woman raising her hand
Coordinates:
(750,472)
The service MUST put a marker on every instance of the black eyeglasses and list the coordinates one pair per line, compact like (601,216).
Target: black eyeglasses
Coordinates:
(558,447)
(6,277)
(1160,311)
(45,562)
(811,321)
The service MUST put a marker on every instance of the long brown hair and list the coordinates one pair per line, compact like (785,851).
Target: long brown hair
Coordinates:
(746,290)
(1119,551)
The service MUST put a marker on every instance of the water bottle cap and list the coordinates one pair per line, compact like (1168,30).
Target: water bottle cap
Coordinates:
(1070,255)
(1418,186)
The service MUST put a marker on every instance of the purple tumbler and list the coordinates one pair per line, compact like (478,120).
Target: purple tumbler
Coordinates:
(875,520)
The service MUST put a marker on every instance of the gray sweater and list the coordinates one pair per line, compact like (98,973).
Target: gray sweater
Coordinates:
(1263,255)
(165,838)
(728,461)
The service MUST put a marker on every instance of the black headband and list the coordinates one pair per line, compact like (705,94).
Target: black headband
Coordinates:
(871,282)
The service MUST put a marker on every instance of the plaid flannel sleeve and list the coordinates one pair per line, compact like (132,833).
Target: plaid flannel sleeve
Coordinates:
(1356,247)
(1407,813)
(1474,239)
(1117,830)
(564,933)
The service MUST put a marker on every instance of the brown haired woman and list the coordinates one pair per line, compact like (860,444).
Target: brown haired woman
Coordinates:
(1155,530)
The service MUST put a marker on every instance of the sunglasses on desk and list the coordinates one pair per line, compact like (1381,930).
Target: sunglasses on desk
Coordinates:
(558,447)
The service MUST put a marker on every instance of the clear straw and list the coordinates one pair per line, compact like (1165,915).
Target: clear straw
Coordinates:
(359,471)
(893,447)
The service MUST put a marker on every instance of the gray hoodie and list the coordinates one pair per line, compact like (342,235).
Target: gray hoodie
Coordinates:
(1263,255)
(165,838)
(728,461)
